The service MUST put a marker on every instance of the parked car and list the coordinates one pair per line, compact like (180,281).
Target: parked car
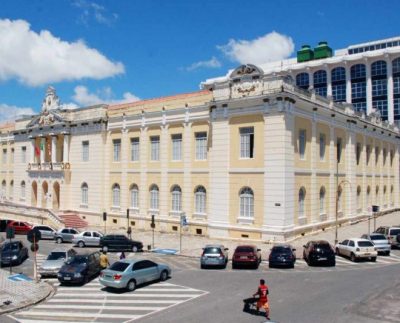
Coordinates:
(282,256)
(133,272)
(246,255)
(45,231)
(80,268)
(357,248)
(392,234)
(13,253)
(20,227)
(214,255)
(87,238)
(319,252)
(381,243)
(65,235)
(119,242)
(55,260)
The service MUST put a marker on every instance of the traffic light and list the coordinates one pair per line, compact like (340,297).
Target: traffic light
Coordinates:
(153,224)
(104,216)
(10,233)
(127,214)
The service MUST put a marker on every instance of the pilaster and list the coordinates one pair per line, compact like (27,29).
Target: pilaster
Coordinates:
(389,72)
(187,161)
(124,167)
(144,189)
(351,189)
(369,86)
(314,214)
(332,174)
(164,189)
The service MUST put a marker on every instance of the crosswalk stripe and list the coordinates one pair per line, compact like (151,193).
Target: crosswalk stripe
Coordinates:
(99,287)
(99,307)
(380,260)
(80,314)
(134,294)
(46,321)
(347,262)
(302,262)
(395,256)
(112,301)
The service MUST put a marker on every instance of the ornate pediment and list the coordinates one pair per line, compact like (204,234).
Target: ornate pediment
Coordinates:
(46,118)
(246,71)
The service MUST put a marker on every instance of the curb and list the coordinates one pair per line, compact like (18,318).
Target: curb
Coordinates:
(18,308)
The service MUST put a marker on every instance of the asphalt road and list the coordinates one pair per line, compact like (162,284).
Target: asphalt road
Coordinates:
(301,295)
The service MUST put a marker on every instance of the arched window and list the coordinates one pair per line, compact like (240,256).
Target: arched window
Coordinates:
(396,66)
(3,189)
(11,190)
(116,195)
(339,199)
(358,87)
(154,192)
(377,194)
(303,80)
(134,190)
(246,196)
(378,68)
(338,78)
(200,200)
(302,196)
(359,198)
(322,200)
(84,194)
(338,74)
(379,88)
(23,189)
(176,194)
(368,196)
(358,71)
(320,84)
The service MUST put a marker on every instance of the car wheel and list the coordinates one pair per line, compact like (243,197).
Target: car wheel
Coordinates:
(86,279)
(81,244)
(388,253)
(105,248)
(59,240)
(337,251)
(373,259)
(164,275)
(353,257)
(202,266)
(135,249)
(131,286)
(270,266)
(234,266)
(292,266)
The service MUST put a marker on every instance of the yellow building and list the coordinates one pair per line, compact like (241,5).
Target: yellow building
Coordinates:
(249,156)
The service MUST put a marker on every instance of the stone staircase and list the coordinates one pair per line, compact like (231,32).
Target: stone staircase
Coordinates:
(72,219)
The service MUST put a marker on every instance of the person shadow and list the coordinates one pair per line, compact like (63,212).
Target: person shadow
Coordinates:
(251,308)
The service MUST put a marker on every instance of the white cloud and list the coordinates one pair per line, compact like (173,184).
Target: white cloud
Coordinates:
(267,48)
(84,97)
(40,58)
(211,63)
(93,10)
(11,112)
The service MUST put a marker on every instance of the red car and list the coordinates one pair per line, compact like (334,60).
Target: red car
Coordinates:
(247,255)
(20,227)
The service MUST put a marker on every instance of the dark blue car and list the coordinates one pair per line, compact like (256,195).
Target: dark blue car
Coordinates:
(282,256)
(13,253)
(80,269)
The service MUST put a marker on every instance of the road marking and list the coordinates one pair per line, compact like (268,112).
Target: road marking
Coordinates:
(99,307)
(126,316)
(380,260)
(345,261)
(116,301)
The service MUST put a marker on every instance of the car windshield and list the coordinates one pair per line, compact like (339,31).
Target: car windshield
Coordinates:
(10,247)
(56,255)
(244,249)
(365,244)
(323,246)
(394,232)
(212,250)
(284,250)
(77,260)
(378,237)
(119,266)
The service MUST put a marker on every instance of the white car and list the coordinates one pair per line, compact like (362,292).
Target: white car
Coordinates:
(87,238)
(357,248)
(46,231)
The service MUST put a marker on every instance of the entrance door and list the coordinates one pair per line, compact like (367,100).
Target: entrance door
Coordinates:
(45,194)
(34,194)
(56,196)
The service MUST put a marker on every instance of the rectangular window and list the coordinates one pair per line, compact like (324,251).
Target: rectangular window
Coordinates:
(322,144)
(379,87)
(246,142)
(4,159)
(201,145)
(339,149)
(85,151)
(135,154)
(117,150)
(302,143)
(155,148)
(176,147)
(23,154)
(12,155)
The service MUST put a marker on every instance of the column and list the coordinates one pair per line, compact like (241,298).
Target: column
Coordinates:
(364,205)
(348,83)
(314,216)
(390,102)
(310,78)
(54,149)
(124,167)
(187,178)
(350,189)
(328,81)
(66,149)
(33,146)
(42,149)
(144,195)
(369,86)
(164,194)
(332,174)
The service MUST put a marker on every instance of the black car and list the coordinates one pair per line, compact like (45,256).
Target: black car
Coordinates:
(13,253)
(80,268)
(319,252)
(119,242)
(282,256)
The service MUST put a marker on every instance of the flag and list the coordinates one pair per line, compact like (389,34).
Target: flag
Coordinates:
(49,148)
(37,151)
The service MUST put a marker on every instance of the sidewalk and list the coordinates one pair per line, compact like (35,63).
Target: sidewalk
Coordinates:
(15,295)
(192,245)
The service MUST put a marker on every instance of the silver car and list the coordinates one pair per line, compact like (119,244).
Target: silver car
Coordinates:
(214,255)
(381,243)
(45,231)
(392,234)
(65,235)
(55,260)
(127,274)
(87,238)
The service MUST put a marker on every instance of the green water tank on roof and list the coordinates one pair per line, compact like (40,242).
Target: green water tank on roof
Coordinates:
(322,50)
(305,54)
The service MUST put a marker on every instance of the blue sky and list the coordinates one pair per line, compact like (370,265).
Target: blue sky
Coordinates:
(122,50)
